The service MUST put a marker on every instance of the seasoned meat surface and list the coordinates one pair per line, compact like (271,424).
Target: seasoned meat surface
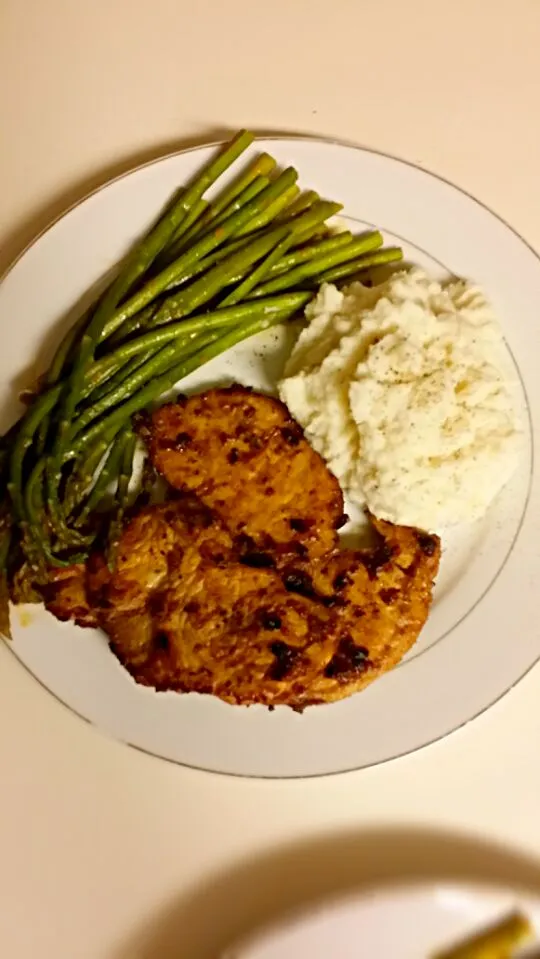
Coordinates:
(66,598)
(183,612)
(237,587)
(246,459)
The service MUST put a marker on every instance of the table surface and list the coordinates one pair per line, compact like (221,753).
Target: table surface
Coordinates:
(110,854)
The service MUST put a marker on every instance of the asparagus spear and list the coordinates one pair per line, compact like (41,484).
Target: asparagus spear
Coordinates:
(178,304)
(109,425)
(157,285)
(82,477)
(122,499)
(301,254)
(251,192)
(157,363)
(134,267)
(185,329)
(263,166)
(122,373)
(210,283)
(304,253)
(192,219)
(497,942)
(56,369)
(391,254)
(108,473)
(303,234)
(316,266)
(253,278)
(272,211)
(303,203)
(30,422)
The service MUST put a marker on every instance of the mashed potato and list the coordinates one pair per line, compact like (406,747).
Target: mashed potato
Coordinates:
(407,391)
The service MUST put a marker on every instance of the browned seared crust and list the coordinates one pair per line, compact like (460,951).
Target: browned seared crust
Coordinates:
(65,596)
(183,613)
(246,459)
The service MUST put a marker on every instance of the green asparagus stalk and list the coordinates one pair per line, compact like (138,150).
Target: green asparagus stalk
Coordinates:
(179,304)
(272,211)
(138,322)
(108,426)
(301,254)
(117,379)
(201,248)
(56,369)
(157,363)
(137,264)
(185,329)
(30,422)
(210,283)
(262,166)
(251,192)
(303,203)
(108,473)
(134,267)
(315,267)
(193,218)
(380,258)
(256,276)
(121,499)
(306,253)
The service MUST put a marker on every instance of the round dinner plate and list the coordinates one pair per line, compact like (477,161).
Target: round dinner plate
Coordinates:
(481,636)
(405,922)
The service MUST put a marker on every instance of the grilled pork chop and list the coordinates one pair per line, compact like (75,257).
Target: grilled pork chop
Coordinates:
(183,612)
(245,458)
(65,595)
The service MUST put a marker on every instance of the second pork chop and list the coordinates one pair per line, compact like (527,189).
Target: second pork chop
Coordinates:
(246,459)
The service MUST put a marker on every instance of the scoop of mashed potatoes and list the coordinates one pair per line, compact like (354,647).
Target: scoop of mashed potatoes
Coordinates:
(408,393)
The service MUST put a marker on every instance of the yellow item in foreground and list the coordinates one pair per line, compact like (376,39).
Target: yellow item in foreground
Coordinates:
(497,942)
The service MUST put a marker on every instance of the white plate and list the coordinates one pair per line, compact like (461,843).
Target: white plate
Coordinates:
(408,922)
(481,636)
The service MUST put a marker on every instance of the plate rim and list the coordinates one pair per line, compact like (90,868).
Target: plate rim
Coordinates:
(282,137)
(394,889)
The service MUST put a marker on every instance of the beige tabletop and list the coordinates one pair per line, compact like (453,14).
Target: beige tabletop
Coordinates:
(106,853)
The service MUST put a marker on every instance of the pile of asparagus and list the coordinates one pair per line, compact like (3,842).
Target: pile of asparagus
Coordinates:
(205,277)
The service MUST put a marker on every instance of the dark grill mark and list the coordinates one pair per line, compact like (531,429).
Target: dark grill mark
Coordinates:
(246,542)
(389,596)
(377,559)
(285,657)
(427,543)
(348,658)
(156,604)
(161,641)
(182,441)
(292,435)
(296,581)
(252,440)
(174,558)
(332,601)
(257,560)
(270,620)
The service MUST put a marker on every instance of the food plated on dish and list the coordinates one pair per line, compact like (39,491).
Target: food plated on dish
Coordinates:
(217,568)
